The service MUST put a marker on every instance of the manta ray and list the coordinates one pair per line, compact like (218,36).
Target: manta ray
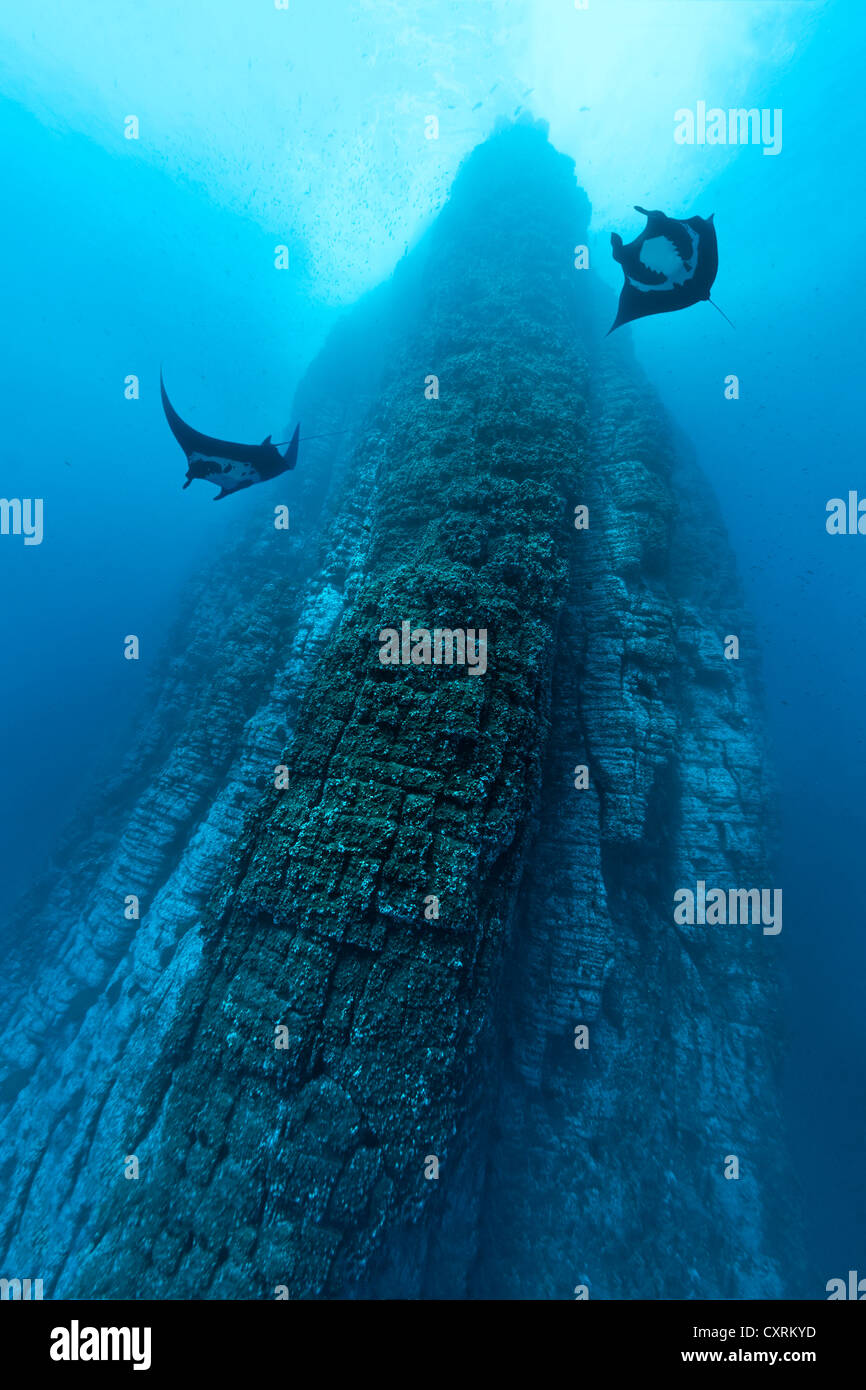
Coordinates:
(229,466)
(671,265)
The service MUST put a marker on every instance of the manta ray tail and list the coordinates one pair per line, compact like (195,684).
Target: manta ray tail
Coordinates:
(720,311)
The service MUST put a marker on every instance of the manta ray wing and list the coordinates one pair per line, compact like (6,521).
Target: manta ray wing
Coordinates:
(193,442)
(290,457)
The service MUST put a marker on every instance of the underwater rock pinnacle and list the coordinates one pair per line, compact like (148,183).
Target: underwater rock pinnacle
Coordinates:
(428,906)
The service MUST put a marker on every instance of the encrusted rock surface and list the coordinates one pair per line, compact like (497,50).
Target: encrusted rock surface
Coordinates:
(305,907)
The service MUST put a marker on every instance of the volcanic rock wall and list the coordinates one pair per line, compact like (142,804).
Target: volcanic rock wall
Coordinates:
(411,1036)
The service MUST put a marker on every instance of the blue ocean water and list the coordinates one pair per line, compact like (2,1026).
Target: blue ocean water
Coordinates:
(306,127)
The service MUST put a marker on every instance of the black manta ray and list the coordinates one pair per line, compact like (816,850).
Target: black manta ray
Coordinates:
(230,466)
(671,265)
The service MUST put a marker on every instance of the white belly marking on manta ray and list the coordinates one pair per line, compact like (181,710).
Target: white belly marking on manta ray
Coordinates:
(659,253)
(228,473)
